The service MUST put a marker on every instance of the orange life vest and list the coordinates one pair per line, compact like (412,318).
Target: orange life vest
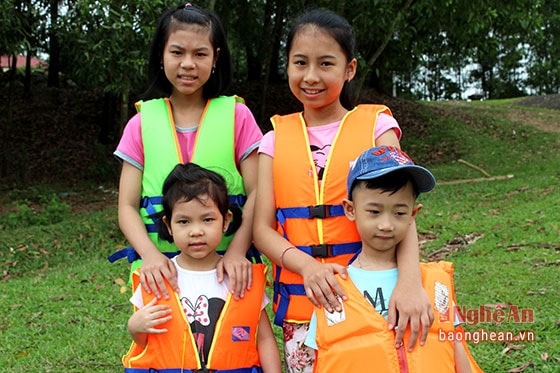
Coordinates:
(310,215)
(360,340)
(234,346)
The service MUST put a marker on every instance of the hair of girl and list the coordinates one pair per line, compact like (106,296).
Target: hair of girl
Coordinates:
(340,30)
(189,181)
(182,17)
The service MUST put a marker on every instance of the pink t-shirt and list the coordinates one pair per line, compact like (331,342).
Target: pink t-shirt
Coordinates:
(321,137)
(247,134)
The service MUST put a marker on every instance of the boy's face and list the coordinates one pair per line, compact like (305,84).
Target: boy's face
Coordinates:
(382,218)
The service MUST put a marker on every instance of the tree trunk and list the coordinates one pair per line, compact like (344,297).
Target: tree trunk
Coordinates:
(274,52)
(377,53)
(27,79)
(54,47)
(124,108)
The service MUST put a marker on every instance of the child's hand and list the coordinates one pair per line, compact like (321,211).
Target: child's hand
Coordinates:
(321,286)
(239,271)
(412,305)
(153,270)
(146,319)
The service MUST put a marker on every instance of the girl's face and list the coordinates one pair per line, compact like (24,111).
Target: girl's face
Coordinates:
(197,227)
(317,68)
(188,59)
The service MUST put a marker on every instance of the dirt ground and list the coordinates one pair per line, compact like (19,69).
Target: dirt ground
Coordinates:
(545,120)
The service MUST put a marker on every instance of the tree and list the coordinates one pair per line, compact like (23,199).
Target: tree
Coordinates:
(105,45)
(544,46)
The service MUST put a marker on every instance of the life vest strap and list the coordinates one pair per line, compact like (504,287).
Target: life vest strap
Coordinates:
(330,250)
(309,212)
(282,293)
(150,203)
(253,255)
(132,255)
(203,370)
(238,199)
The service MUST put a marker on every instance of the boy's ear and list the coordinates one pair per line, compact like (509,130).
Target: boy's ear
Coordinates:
(166,222)
(227,220)
(349,209)
(415,210)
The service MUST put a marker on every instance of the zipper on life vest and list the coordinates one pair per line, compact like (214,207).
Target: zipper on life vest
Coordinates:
(401,355)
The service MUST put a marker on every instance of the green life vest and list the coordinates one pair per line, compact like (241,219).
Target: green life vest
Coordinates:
(213,149)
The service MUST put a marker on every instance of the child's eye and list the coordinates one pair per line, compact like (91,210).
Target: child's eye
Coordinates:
(183,221)
(400,213)
(209,220)
(373,212)
(299,62)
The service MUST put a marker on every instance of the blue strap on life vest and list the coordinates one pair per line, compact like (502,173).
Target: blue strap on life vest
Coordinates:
(132,255)
(253,255)
(238,199)
(281,296)
(328,250)
(282,291)
(150,203)
(355,256)
(202,370)
(309,212)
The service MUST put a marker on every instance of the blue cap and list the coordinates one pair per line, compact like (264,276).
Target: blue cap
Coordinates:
(382,160)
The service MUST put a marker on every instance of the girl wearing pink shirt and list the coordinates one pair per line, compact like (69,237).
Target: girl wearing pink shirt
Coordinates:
(189,68)
(308,153)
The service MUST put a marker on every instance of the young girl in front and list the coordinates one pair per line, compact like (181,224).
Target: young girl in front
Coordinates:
(202,327)
(299,220)
(189,68)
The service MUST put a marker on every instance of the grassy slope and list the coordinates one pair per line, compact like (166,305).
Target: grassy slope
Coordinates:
(516,257)
(63,309)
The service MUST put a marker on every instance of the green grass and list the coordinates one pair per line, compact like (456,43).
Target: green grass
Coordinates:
(63,309)
(516,258)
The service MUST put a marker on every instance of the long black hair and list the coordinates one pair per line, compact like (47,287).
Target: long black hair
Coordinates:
(190,181)
(178,18)
(340,30)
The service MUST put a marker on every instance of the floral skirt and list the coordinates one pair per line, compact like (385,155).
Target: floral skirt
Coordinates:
(298,357)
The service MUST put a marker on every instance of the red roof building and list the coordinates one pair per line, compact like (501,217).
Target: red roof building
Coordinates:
(36,63)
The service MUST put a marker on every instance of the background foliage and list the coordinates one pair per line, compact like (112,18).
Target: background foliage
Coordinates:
(429,49)
(414,48)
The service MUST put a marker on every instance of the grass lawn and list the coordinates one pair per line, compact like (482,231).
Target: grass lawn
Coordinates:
(65,307)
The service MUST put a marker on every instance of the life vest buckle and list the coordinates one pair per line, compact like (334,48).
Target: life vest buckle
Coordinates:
(321,251)
(144,201)
(319,211)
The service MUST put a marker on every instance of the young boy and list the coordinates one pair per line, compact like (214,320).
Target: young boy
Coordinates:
(382,185)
